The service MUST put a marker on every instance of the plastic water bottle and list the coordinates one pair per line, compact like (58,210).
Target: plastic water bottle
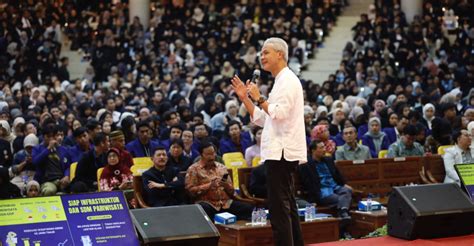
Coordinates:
(369,203)
(254,217)
(263,217)
(313,212)
(307,213)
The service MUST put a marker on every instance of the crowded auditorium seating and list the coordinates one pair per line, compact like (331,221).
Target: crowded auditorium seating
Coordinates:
(418,73)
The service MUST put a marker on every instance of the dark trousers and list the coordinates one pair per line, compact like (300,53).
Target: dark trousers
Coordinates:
(243,211)
(282,204)
(341,199)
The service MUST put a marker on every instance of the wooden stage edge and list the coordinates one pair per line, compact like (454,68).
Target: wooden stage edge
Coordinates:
(388,240)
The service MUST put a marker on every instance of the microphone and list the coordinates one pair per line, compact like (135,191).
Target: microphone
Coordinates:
(255,76)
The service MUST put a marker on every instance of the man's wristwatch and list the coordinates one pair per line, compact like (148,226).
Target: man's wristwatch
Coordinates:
(261,100)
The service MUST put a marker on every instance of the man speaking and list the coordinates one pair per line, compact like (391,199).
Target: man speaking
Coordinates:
(283,144)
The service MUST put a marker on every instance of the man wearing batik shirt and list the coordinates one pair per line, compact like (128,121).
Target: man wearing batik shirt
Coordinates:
(209,184)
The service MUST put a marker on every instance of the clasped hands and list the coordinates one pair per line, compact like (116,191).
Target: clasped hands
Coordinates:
(153,184)
(246,90)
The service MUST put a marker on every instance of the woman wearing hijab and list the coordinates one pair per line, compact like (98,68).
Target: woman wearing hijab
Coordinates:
(32,189)
(428,115)
(116,175)
(321,133)
(375,138)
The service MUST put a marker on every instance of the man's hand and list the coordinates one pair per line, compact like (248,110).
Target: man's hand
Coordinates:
(125,185)
(52,144)
(64,182)
(239,87)
(253,91)
(225,184)
(152,185)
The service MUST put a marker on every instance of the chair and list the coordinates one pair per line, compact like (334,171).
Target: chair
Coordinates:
(383,153)
(234,161)
(99,173)
(72,170)
(140,165)
(442,149)
(244,181)
(236,196)
(424,176)
(138,191)
(256,161)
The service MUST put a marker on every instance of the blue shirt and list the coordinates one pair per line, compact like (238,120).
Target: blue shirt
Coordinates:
(328,185)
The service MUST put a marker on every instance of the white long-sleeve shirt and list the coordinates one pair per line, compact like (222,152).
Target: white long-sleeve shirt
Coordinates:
(283,126)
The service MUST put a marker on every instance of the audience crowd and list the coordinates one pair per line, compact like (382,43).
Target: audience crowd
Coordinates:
(163,92)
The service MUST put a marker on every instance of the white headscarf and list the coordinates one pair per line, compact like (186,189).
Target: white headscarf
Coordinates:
(425,108)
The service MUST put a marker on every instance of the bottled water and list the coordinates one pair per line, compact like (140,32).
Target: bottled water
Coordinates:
(254,217)
(313,212)
(369,203)
(263,217)
(307,213)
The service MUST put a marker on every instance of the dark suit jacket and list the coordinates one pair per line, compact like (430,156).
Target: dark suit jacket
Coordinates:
(167,196)
(310,178)
(87,168)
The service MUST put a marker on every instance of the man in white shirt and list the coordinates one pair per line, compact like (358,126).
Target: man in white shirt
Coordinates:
(283,144)
(460,153)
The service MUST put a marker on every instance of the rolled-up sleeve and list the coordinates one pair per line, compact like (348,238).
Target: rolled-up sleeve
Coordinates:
(258,117)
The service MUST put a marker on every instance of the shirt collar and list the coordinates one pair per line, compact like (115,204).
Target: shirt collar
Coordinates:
(280,73)
(347,147)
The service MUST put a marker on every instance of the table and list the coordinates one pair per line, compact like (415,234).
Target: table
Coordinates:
(240,233)
(365,222)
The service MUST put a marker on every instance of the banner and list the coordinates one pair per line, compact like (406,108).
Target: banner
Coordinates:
(81,219)
(466,174)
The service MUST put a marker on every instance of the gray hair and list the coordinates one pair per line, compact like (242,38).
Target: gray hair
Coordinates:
(279,45)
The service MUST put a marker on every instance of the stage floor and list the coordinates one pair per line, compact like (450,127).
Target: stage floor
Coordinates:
(387,240)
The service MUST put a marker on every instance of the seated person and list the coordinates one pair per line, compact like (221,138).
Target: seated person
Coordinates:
(82,145)
(142,146)
(23,169)
(175,133)
(32,189)
(406,146)
(116,175)
(86,171)
(458,154)
(235,140)
(351,150)
(254,150)
(176,157)
(209,186)
(188,139)
(161,183)
(117,141)
(375,139)
(52,163)
(394,133)
(324,183)
(321,133)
